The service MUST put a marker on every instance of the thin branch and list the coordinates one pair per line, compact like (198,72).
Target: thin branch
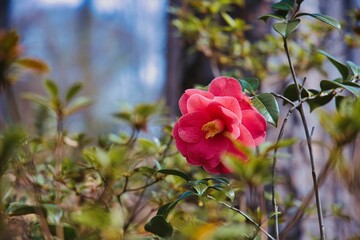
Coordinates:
(275,207)
(244,215)
(308,139)
(306,201)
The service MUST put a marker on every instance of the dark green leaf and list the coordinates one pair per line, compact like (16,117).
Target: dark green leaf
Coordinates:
(159,226)
(324,18)
(267,105)
(342,68)
(69,232)
(350,86)
(52,88)
(292,94)
(72,91)
(20,209)
(175,173)
(250,84)
(275,16)
(285,5)
(165,209)
(319,101)
(338,100)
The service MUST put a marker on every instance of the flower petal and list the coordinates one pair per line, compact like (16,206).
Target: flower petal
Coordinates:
(207,152)
(184,98)
(189,126)
(255,123)
(181,145)
(197,103)
(220,168)
(225,86)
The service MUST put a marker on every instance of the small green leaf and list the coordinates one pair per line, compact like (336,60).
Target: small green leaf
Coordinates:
(285,29)
(292,26)
(267,105)
(37,99)
(159,226)
(175,173)
(52,88)
(324,18)
(228,19)
(77,105)
(292,94)
(73,90)
(250,84)
(342,68)
(201,188)
(280,28)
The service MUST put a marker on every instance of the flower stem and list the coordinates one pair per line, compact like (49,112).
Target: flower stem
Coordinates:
(308,140)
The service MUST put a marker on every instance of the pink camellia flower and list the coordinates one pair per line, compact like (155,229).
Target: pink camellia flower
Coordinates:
(212,120)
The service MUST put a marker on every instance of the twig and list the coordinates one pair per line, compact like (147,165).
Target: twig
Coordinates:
(273,198)
(244,215)
(308,139)
(306,201)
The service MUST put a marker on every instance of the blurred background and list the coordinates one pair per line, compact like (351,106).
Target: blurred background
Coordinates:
(133,51)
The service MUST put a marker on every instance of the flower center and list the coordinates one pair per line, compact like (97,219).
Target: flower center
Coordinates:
(212,128)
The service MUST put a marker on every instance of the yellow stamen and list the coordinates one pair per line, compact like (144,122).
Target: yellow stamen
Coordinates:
(212,128)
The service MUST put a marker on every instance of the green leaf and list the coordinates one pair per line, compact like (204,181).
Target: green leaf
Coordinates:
(165,209)
(354,68)
(201,188)
(16,209)
(159,226)
(250,84)
(52,88)
(292,26)
(319,101)
(280,28)
(267,105)
(33,64)
(37,99)
(350,86)
(342,68)
(292,94)
(273,15)
(218,179)
(323,18)
(228,19)
(72,91)
(77,105)
(175,173)
(284,5)
(69,232)
(285,29)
